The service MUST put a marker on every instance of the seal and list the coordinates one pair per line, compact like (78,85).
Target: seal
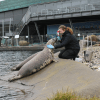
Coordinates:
(17,67)
(35,62)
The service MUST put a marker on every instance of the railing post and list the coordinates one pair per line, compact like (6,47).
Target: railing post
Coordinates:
(28,32)
(10,26)
(2,27)
(71,24)
(12,41)
(38,31)
(0,41)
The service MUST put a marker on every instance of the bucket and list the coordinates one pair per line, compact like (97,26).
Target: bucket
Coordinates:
(88,55)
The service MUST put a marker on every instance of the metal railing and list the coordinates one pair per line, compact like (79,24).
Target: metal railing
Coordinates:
(23,21)
(33,39)
(57,8)
(64,7)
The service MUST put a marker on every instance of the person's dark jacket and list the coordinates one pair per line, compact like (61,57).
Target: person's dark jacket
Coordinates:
(69,41)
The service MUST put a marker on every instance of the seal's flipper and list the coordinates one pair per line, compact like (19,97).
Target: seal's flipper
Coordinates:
(17,67)
(55,60)
(14,78)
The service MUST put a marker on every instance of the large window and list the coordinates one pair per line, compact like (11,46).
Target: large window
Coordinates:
(9,21)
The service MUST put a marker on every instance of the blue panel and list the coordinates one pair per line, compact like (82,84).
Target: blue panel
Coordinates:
(52,29)
(87,24)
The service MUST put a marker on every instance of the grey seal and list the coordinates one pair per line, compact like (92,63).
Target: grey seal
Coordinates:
(35,62)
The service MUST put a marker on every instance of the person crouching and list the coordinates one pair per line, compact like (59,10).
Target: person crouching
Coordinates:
(68,41)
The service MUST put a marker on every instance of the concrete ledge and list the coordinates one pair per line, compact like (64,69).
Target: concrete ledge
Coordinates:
(21,48)
(24,48)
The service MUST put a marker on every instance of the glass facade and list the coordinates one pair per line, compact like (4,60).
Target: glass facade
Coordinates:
(9,21)
(82,28)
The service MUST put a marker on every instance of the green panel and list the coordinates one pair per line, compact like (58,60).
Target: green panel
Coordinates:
(15,4)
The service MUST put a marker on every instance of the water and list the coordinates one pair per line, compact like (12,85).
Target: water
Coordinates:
(8,59)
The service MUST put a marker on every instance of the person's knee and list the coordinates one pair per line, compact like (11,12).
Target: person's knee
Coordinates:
(65,56)
(60,55)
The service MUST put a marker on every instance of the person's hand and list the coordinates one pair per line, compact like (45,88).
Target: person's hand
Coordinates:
(58,38)
(50,46)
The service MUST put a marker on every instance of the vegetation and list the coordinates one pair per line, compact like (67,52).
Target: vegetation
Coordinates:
(70,96)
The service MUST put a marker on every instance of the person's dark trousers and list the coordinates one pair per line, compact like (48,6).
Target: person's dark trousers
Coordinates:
(68,53)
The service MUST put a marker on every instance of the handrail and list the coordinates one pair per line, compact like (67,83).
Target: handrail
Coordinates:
(58,8)
(23,21)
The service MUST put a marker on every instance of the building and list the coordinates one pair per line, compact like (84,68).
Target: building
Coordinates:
(38,18)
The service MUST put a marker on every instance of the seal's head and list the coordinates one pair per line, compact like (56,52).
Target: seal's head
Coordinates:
(51,41)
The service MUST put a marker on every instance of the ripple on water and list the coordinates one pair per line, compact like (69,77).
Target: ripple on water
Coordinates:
(10,94)
(9,59)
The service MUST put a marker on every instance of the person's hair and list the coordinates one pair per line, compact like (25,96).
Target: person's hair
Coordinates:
(66,28)
(63,27)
